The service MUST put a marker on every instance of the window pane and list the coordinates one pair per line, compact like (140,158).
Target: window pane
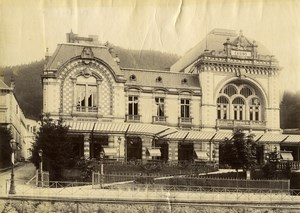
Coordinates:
(80,95)
(135,110)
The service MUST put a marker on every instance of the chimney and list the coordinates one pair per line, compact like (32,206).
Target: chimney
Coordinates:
(2,78)
(47,55)
(12,83)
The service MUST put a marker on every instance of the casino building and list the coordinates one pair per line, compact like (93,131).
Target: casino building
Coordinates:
(226,81)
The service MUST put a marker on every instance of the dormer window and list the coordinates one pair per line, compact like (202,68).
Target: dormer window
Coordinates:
(159,79)
(132,78)
(184,81)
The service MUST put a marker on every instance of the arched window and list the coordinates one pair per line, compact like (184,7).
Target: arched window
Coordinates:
(238,108)
(254,109)
(86,94)
(230,90)
(246,91)
(239,101)
(222,108)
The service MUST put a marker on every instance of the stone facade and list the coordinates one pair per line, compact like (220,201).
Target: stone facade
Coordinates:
(225,82)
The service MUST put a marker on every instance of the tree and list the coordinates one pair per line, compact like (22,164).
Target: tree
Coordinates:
(5,149)
(53,139)
(239,152)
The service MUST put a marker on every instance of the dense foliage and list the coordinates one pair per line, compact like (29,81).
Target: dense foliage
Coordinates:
(239,152)
(290,110)
(53,140)
(5,149)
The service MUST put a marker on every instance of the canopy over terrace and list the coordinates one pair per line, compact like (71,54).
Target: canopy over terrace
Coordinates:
(171,133)
(121,128)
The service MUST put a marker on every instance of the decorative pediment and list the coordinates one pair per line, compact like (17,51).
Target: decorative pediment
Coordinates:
(241,43)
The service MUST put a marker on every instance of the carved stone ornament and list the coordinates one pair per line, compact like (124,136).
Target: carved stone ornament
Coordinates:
(87,53)
(241,73)
(86,72)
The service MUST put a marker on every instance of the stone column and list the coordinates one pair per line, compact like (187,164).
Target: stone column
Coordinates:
(111,143)
(86,146)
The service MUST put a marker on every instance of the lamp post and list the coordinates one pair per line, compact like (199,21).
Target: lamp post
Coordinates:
(41,167)
(101,168)
(119,141)
(13,146)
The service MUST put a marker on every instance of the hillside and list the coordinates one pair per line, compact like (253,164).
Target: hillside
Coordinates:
(27,77)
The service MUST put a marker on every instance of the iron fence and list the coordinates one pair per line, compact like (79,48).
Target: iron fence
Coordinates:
(189,180)
(138,191)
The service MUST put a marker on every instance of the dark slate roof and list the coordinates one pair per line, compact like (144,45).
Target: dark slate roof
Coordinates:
(65,52)
(148,78)
(213,41)
(3,85)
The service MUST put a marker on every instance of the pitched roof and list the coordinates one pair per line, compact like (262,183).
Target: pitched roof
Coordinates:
(3,85)
(65,52)
(168,79)
(213,41)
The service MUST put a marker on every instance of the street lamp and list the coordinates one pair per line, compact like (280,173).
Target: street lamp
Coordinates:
(119,141)
(101,168)
(41,167)
(13,146)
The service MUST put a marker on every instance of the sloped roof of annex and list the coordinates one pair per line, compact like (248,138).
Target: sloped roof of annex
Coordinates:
(161,79)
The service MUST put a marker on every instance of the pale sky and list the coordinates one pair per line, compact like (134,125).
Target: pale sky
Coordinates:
(28,27)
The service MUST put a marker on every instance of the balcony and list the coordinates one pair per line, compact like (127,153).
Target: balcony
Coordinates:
(183,121)
(86,109)
(134,118)
(159,119)
(226,123)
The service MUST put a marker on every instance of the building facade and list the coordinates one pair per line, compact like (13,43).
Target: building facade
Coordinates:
(227,81)
(12,116)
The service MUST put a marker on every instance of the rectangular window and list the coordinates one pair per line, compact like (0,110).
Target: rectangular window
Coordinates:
(160,107)
(133,105)
(185,108)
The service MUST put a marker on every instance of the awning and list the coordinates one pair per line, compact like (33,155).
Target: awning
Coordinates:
(201,155)
(120,128)
(110,151)
(287,156)
(292,139)
(200,136)
(153,152)
(220,136)
(269,137)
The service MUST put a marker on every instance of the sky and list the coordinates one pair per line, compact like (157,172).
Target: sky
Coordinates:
(28,27)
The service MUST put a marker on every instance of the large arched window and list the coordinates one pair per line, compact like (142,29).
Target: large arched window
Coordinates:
(239,101)
(222,107)
(86,94)
(238,108)
(254,109)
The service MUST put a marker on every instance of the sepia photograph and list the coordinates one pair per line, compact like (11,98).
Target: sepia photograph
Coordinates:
(149,106)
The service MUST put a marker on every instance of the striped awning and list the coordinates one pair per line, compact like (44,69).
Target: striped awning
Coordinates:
(292,139)
(191,135)
(220,136)
(272,138)
(153,152)
(200,136)
(180,135)
(286,156)
(110,151)
(121,128)
(200,154)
